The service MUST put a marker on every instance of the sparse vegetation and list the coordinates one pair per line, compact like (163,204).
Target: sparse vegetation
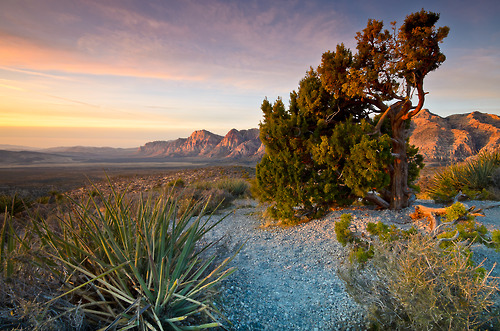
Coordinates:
(12,204)
(176,183)
(409,280)
(123,262)
(477,178)
(413,285)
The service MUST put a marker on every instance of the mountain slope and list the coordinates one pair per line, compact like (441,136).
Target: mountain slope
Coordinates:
(456,137)
(235,144)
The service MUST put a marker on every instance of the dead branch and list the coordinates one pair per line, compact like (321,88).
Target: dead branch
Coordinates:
(494,205)
(372,197)
(441,240)
(430,214)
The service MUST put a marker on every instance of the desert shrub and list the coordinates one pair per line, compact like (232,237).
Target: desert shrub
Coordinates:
(412,284)
(475,178)
(133,263)
(12,204)
(208,201)
(179,182)
(461,225)
(217,194)
(344,234)
(235,186)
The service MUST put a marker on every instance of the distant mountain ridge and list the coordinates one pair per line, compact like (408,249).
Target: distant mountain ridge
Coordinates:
(456,137)
(236,144)
(445,140)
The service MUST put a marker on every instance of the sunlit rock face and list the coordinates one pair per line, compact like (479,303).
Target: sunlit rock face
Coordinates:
(202,143)
(456,137)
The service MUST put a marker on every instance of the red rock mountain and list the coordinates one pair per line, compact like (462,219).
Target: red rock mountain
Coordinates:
(449,139)
(456,137)
(235,144)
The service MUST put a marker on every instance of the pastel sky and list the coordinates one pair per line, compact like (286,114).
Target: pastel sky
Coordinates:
(124,72)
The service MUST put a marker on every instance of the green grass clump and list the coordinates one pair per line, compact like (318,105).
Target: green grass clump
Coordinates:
(128,264)
(476,178)
(219,194)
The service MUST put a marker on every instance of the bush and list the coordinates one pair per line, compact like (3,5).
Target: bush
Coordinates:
(344,235)
(475,178)
(131,264)
(179,182)
(413,285)
(12,204)
(236,187)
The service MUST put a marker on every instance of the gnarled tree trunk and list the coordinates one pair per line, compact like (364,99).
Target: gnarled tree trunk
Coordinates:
(400,192)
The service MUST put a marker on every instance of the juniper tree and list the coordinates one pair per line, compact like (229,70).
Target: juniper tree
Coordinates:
(387,71)
(307,149)
(325,148)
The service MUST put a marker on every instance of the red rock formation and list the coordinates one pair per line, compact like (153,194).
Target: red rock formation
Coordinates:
(456,137)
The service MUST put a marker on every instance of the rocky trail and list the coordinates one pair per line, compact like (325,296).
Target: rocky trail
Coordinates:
(286,276)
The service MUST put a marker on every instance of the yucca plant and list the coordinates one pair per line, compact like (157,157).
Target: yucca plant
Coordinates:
(472,177)
(134,264)
(12,247)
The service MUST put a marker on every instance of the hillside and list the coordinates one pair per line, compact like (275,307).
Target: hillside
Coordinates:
(243,144)
(456,137)
(12,158)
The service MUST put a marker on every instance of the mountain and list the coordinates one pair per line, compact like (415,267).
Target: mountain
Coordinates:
(439,139)
(14,158)
(88,151)
(456,137)
(202,143)
(17,148)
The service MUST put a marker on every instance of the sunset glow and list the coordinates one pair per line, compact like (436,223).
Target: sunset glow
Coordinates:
(115,73)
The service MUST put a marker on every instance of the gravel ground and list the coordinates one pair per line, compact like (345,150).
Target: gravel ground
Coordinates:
(286,277)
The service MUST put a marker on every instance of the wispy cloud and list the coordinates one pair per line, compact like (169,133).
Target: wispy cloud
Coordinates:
(224,42)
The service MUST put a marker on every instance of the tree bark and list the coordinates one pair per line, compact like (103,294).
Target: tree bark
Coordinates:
(400,192)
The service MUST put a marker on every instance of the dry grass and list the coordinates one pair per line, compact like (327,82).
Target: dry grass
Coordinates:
(414,285)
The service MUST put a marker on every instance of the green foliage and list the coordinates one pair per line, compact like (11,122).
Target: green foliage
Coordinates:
(468,230)
(495,239)
(361,254)
(474,178)
(342,231)
(457,211)
(324,149)
(292,175)
(219,194)
(412,284)
(236,187)
(133,263)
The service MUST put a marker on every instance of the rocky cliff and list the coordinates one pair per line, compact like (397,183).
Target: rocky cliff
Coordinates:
(235,144)
(449,139)
(456,137)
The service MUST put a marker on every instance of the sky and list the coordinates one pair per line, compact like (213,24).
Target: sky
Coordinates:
(121,73)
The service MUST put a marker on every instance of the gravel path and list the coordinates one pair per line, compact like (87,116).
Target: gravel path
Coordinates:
(286,277)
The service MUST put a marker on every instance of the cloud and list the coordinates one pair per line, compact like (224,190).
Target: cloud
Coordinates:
(243,45)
